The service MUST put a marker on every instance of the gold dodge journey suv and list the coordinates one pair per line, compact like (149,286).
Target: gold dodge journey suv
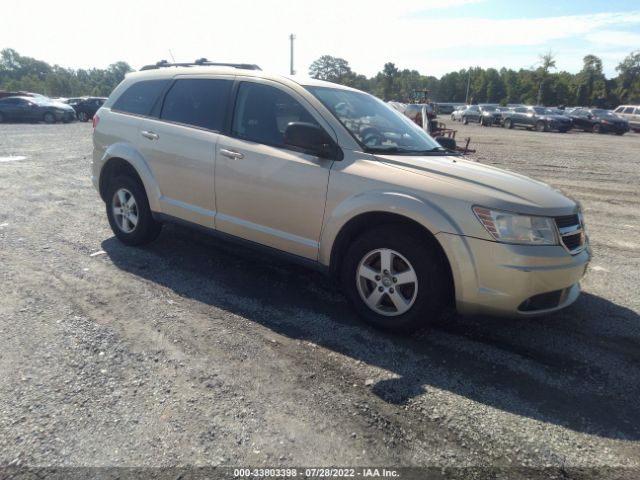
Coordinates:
(335,178)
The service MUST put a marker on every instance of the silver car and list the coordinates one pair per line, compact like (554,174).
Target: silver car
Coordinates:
(336,179)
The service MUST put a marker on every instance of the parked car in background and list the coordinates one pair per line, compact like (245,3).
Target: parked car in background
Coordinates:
(597,120)
(470,114)
(631,113)
(4,93)
(540,118)
(87,107)
(34,109)
(456,115)
(490,115)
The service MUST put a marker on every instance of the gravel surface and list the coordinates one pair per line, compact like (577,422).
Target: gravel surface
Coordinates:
(196,352)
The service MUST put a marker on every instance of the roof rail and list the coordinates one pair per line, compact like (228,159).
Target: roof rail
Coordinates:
(201,62)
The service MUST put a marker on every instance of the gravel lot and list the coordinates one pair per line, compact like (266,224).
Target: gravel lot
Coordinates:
(197,352)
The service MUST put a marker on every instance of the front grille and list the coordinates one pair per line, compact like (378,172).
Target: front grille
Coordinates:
(573,242)
(571,232)
(567,221)
(543,301)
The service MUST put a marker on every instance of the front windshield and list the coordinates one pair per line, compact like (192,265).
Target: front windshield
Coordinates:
(489,108)
(539,110)
(40,100)
(375,126)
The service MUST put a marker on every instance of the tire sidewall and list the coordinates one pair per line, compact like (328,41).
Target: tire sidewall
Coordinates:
(49,118)
(147,228)
(430,299)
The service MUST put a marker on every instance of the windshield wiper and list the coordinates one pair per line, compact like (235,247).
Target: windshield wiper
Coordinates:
(403,150)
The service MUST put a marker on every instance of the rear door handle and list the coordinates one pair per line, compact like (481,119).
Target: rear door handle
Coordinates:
(150,135)
(231,153)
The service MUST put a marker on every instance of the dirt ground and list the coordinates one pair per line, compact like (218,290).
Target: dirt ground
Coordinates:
(196,352)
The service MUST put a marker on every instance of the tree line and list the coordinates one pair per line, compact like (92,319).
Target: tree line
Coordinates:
(19,73)
(540,85)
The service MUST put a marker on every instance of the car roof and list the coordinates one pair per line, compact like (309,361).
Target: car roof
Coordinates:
(170,72)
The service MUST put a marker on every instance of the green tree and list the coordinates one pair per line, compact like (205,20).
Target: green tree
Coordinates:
(331,69)
(628,81)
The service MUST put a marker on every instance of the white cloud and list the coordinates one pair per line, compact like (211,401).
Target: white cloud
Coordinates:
(615,38)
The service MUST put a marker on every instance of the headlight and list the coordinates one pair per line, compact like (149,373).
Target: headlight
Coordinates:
(513,228)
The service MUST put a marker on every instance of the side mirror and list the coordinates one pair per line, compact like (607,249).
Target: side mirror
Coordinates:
(446,142)
(310,139)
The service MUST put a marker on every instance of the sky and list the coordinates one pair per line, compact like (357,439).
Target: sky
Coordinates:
(431,36)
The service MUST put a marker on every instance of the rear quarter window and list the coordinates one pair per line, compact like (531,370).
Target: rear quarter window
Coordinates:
(140,97)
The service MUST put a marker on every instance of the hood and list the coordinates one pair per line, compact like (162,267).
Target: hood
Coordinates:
(61,106)
(483,185)
(557,117)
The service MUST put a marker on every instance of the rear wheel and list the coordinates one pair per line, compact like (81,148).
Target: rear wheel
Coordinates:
(619,133)
(508,123)
(83,117)
(541,126)
(394,280)
(129,213)
(596,128)
(465,120)
(1,118)
(49,118)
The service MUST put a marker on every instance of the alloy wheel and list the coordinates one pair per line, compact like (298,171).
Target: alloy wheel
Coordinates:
(387,282)
(125,210)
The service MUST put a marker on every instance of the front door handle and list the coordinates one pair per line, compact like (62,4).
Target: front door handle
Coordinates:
(150,135)
(231,153)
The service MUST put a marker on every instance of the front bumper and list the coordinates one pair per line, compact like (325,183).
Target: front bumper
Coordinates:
(512,280)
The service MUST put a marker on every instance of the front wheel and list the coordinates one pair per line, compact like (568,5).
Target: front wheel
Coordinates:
(49,118)
(541,126)
(83,117)
(465,120)
(508,123)
(620,133)
(1,118)
(394,280)
(129,213)
(596,128)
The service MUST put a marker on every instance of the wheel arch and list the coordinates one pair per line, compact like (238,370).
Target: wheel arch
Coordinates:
(363,222)
(120,161)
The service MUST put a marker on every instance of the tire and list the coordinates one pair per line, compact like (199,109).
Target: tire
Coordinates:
(145,229)
(83,117)
(409,257)
(465,120)
(596,128)
(620,133)
(49,118)
(508,123)
(481,121)
(564,130)
(453,119)
(1,118)
(541,126)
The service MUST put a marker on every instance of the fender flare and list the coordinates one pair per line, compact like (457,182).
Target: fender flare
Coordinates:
(126,152)
(430,216)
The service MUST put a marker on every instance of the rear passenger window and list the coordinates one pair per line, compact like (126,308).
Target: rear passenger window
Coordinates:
(199,102)
(140,97)
(628,110)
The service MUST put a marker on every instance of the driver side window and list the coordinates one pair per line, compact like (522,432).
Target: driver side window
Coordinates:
(263,112)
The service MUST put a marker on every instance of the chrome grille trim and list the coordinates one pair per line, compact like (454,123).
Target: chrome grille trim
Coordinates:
(569,227)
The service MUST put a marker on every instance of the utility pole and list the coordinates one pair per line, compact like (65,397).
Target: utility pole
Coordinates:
(466,100)
(292,37)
